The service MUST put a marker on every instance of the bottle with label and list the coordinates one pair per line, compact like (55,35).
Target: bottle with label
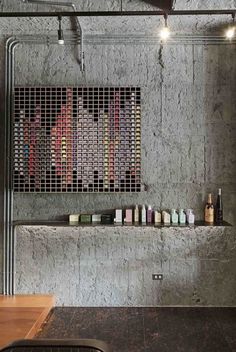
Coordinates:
(174,216)
(182,217)
(149,214)
(219,209)
(157,217)
(209,210)
(136,214)
(144,215)
(166,217)
(190,217)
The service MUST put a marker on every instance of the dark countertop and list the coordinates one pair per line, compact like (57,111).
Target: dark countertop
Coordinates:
(161,329)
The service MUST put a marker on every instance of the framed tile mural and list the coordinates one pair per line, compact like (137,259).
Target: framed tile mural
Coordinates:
(77,139)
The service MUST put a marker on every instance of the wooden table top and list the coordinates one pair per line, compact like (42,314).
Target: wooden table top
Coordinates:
(21,316)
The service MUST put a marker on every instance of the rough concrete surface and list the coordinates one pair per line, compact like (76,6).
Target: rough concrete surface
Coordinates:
(113,266)
(188,133)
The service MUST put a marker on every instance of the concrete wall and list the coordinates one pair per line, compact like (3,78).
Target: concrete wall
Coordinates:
(104,266)
(188,107)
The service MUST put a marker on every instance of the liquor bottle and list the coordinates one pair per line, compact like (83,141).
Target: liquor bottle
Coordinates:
(209,210)
(219,209)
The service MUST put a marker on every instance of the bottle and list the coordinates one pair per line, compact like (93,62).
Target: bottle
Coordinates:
(144,215)
(182,217)
(219,209)
(166,217)
(174,217)
(190,217)
(157,217)
(149,214)
(136,214)
(209,210)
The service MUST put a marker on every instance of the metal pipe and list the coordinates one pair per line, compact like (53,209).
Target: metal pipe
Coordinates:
(48,2)
(8,192)
(6,185)
(119,13)
(9,233)
(10,171)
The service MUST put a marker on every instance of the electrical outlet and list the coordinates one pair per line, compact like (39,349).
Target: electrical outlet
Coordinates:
(157,277)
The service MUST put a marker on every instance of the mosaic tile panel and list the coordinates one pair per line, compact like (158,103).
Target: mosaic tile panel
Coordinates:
(77,139)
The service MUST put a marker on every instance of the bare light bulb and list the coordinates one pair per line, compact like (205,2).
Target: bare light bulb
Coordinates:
(165,33)
(61,40)
(230,33)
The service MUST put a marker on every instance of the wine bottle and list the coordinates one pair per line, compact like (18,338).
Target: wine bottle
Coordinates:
(219,209)
(209,210)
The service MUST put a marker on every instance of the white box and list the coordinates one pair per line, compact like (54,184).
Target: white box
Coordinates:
(73,219)
(96,218)
(118,216)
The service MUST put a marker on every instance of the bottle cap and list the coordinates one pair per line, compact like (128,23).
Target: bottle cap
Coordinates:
(149,207)
(219,192)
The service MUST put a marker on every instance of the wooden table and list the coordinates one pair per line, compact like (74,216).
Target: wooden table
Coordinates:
(21,316)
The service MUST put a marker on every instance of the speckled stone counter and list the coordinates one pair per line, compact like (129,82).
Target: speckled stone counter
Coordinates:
(162,329)
(113,266)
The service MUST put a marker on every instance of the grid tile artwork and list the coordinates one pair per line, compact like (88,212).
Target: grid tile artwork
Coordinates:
(77,139)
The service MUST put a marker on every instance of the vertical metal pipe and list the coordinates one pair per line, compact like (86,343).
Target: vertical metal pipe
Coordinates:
(5,215)
(10,168)
(6,189)
(8,237)
(9,231)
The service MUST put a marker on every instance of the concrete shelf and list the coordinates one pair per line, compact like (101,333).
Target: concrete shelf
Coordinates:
(66,224)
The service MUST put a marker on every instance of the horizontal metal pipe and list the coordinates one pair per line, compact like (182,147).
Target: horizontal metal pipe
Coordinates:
(51,3)
(118,13)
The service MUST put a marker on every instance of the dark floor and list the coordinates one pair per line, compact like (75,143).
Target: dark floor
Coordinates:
(148,329)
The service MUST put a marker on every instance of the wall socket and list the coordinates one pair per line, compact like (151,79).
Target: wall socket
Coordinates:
(157,277)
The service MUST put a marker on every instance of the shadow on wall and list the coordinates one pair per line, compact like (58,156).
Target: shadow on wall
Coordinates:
(219,70)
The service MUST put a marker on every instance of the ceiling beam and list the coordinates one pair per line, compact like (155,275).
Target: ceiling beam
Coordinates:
(119,13)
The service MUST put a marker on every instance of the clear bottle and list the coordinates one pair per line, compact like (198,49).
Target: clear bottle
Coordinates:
(209,210)
(219,208)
